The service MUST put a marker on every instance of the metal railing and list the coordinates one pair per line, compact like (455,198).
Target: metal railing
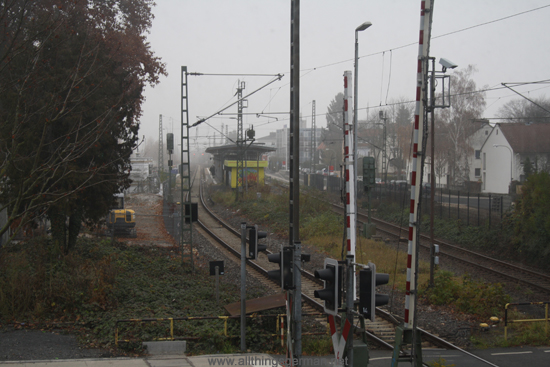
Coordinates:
(472,209)
(279,332)
(506,321)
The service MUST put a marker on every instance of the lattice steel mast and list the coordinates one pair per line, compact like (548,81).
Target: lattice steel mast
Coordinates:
(161,147)
(186,224)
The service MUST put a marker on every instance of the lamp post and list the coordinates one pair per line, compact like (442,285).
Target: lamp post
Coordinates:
(362,27)
(350,279)
(511,158)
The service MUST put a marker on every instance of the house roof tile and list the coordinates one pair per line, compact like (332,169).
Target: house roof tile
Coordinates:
(528,139)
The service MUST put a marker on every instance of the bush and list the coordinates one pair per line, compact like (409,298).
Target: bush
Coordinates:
(532,220)
(468,296)
(36,280)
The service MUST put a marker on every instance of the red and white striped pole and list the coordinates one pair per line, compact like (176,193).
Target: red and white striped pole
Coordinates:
(349,168)
(416,176)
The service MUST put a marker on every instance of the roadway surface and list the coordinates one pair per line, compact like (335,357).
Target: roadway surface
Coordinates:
(509,357)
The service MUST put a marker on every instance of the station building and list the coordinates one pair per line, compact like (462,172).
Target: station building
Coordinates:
(225,160)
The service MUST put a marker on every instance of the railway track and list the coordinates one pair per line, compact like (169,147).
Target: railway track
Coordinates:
(381,332)
(508,272)
(223,234)
(504,271)
(230,240)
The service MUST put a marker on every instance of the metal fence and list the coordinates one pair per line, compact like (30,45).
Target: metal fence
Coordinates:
(472,209)
(171,214)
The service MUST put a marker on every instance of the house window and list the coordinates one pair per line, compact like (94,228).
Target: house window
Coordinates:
(486,132)
(484,161)
(484,180)
(478,154)
(478,172)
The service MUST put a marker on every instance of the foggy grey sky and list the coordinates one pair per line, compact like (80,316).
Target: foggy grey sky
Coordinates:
(253,36)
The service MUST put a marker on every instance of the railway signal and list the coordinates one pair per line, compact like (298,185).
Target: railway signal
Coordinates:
(369,172)
(368,298)
(253,246)
(332,293)
(284,274)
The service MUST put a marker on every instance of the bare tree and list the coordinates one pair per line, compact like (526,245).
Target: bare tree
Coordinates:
(333,135)
(522,110)
(467,104)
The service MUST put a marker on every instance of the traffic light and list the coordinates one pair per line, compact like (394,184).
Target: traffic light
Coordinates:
(369,172)
(284,274)
(368,298)
(332,293)
(253,236)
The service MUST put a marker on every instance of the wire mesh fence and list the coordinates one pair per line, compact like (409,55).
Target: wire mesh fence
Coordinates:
(472,209)
(171,213)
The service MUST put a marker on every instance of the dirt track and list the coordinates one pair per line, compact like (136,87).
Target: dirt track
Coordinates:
(149,221)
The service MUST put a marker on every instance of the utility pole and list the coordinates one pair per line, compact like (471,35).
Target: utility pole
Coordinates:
(313,141)
(432,172)
(384,118)
(295,295)
(240,140)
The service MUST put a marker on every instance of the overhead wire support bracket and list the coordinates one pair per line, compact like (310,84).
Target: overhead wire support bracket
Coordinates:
(278,77)
(518,93)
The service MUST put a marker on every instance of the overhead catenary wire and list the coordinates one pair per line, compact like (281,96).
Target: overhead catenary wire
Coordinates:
(279,76)
(490,89)
(434,37)
(307,71)
(530,100)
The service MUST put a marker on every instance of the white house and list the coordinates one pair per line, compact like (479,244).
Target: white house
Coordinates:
(476,141)
(505,150)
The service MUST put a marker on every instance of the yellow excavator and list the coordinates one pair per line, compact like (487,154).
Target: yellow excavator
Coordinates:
(121,222)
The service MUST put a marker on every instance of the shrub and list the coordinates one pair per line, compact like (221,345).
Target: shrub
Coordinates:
(467,295)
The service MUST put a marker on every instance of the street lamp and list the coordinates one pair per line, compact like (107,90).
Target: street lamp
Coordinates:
(362,27)
(511,158)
